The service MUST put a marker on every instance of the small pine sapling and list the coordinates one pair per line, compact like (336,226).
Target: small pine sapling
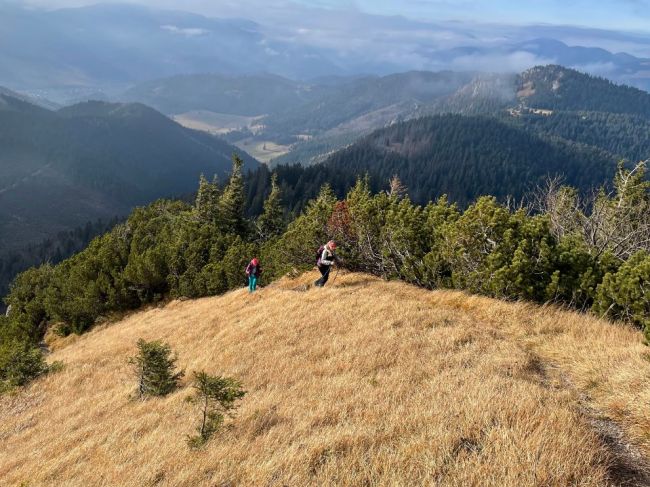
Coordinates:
(216,397)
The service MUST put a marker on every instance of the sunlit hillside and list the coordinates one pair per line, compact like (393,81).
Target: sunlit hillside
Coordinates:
(362,383)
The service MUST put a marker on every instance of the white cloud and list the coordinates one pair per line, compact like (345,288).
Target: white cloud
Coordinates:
(599,69)
(187,32)
(494,63)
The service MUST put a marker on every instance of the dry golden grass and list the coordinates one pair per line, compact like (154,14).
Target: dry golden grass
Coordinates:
(361,383)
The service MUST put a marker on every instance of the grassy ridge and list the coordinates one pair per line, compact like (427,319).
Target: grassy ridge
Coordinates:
(366,382)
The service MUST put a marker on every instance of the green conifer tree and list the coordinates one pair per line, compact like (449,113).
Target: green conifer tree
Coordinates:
(216,397)
(20,362)
(297,246)
(155,369)
(232,201)
(206,204)
(271,222)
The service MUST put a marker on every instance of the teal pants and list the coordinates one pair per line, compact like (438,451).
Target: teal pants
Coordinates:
(252,283)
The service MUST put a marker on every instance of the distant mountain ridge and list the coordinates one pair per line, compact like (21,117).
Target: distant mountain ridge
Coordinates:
(620,66)
(131,43)
(246,95)
(281,98)
(312,120)
(38,101)
(514,132)
(54,51)
(404,92)
(290,111)
(622,135)
(557,88)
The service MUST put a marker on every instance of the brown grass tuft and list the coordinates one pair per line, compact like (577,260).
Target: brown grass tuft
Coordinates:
(358,384)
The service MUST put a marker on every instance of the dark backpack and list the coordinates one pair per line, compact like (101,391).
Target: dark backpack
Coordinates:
(319,253)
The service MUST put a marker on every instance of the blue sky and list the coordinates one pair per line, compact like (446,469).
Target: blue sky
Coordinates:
(610,14)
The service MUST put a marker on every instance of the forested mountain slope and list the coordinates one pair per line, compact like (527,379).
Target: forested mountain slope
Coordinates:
(560,88)
(461,156)
(623,135)
(52,249)
(59,170)
(550,87)
(465,157)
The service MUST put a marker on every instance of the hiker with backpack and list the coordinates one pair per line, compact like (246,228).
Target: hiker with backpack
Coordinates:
(253,271)
(326,259)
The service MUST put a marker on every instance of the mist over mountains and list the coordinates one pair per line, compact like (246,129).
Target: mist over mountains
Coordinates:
(91,52)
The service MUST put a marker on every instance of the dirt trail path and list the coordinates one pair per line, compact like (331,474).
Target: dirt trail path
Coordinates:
(562,361)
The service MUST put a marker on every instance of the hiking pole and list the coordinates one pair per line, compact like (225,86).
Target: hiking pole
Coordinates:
(338,266)
(335,275)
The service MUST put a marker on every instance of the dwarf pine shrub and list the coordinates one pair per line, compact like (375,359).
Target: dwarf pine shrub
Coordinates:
(625,294)
(155,369)
(19,364)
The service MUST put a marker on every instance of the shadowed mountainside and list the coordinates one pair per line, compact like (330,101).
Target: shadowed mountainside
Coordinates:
(61,169)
